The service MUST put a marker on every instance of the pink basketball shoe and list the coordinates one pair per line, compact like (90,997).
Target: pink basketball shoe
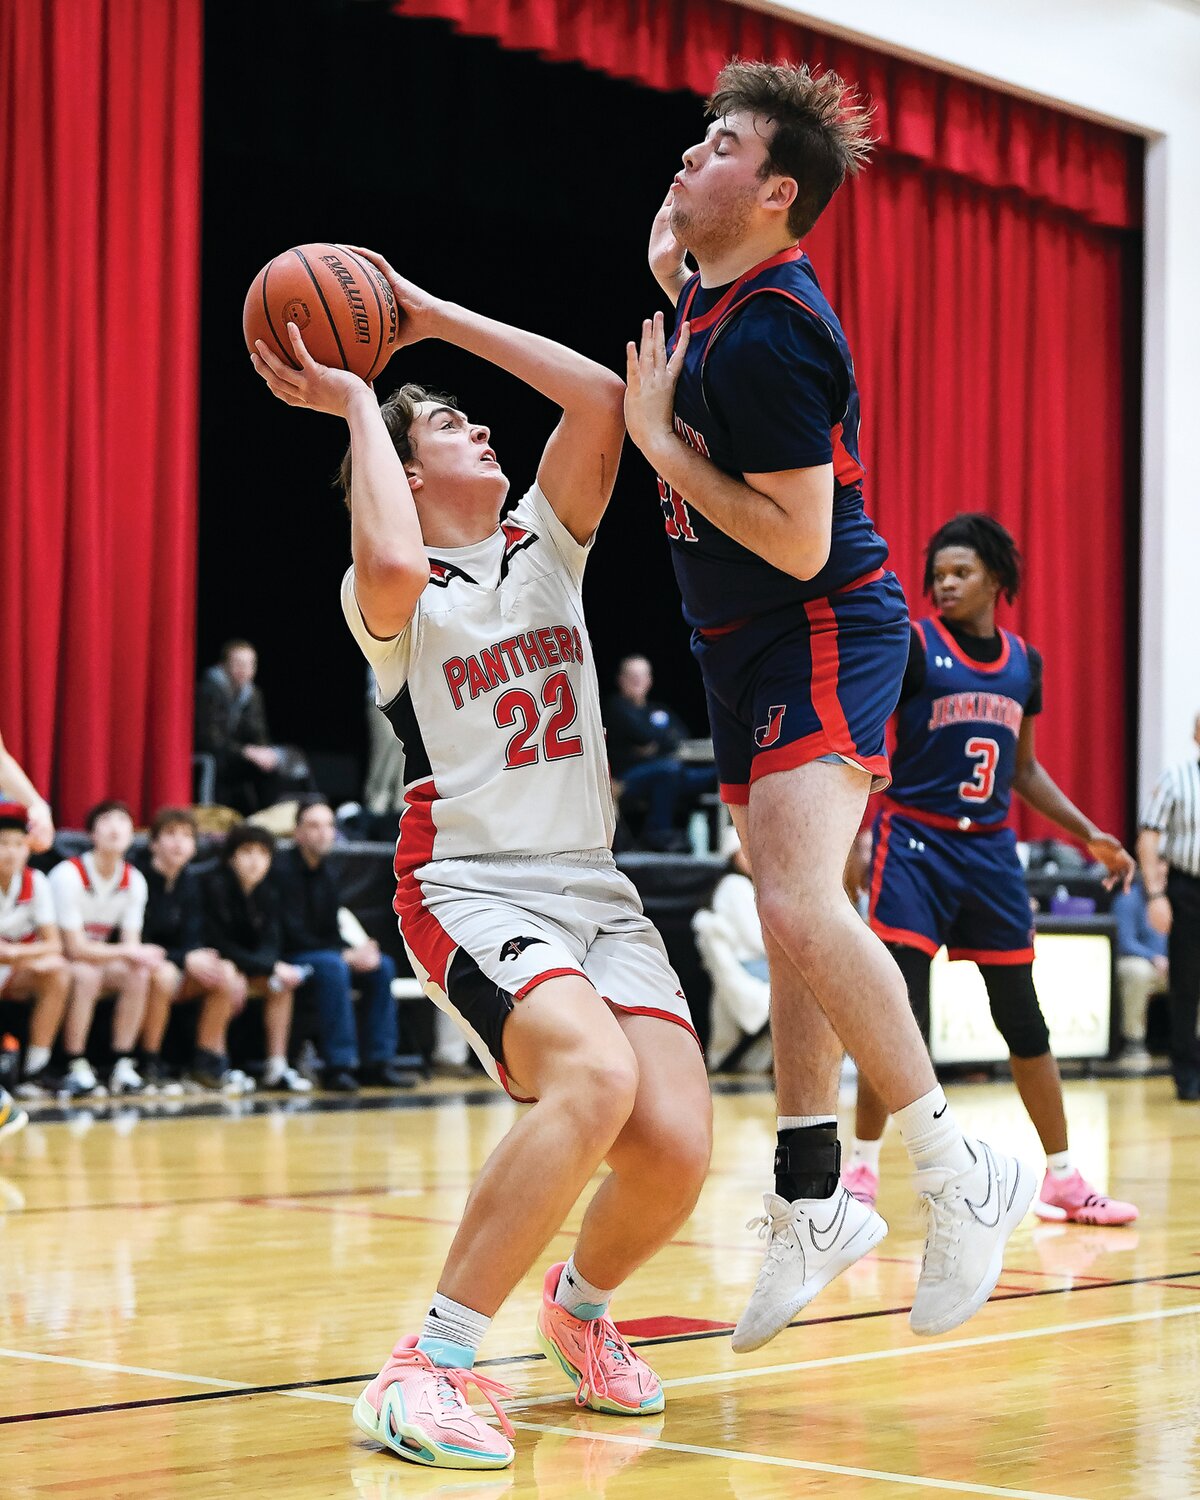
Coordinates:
(419,1411)
(861,1183)
(606,1373)
(1074,1198)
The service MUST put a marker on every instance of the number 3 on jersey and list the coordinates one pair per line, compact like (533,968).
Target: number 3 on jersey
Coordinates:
(519,706)
(985,753)
(675,514)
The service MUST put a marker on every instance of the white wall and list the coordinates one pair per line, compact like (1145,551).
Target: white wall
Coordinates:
(1136,64)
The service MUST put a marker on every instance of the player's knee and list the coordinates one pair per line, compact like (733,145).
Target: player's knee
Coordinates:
(602,1089)
(1016,1011)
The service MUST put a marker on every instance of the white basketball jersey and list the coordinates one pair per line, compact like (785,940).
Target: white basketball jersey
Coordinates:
(25,906)
(86,902)
(492,690)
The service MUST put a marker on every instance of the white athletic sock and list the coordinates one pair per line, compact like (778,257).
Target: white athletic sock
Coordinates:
(275,1069)
(580,1297)
(931,1135)
(452,1333)
(36,1059)
(866,1154)
(1059,1163)
(803,1122)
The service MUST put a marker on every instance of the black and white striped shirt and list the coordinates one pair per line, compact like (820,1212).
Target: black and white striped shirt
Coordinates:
(1174,810)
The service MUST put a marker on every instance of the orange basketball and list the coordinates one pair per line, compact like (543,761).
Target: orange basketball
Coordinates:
(342,305)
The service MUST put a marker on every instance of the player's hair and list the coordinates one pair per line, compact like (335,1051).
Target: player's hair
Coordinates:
(984,535)
(242,834)
(96,813)
(399,412)
(172,817)
(822,128)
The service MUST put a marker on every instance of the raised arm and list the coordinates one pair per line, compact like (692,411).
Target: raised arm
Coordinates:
(1034,786)
(390,565)
(579,465)
(15,784)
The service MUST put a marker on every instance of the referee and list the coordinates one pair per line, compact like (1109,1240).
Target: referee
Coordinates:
(1168,850)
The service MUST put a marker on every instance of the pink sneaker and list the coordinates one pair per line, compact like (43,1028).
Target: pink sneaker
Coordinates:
(606,1373)
(419,1410)
(861,1183)
(1074,1198)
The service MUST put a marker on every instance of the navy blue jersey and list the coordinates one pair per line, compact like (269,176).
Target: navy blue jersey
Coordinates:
(956,735)
(767,384)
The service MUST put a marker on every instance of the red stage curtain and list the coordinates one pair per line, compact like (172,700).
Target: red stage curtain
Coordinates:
(980,269)
(100,201)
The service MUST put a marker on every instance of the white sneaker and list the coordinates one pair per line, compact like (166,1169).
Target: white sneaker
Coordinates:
(236,1083)
(808,1244)
(81,1082)
(125,1078)
(969,1217)
(289,1079)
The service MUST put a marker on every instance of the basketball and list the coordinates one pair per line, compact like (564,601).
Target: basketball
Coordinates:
(343,306)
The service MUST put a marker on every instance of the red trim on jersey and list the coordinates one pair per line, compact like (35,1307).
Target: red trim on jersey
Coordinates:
(715,314)
(735,794)
(504,1084)
(956,650)
(710,632)
(1008,958)
(846,468)
(421,930)
(803,751)
(903,938)
(542,977)
(121,885)
(25,894)
(659,1015)
(941,820)
(823,650)
(881,853)
(857,583)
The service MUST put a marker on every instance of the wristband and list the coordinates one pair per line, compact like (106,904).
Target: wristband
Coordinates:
(1156,895)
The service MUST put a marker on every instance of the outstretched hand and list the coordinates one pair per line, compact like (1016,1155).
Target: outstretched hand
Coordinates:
(668,259)
(1118,861)
(313,385)
(650,381)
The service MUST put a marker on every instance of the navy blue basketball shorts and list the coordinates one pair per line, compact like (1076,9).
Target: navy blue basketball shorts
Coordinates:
(818,681)
(936,884)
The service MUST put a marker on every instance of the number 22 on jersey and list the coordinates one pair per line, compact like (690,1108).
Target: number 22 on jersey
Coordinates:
(518,707)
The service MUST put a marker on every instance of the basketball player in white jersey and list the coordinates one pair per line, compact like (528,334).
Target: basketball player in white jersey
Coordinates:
(101,899)
(510,905)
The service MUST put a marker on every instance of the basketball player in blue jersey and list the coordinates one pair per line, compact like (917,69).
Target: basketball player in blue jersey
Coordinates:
(749,414)
(945,866)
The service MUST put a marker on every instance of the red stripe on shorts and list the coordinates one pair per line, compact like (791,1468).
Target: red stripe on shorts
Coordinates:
(823,646)
(431,944)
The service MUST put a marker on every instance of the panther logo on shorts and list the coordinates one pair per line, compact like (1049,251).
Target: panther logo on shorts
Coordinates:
(516,946)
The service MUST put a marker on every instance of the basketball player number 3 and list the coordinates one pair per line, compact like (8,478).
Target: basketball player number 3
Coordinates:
(981,786)
(520,707)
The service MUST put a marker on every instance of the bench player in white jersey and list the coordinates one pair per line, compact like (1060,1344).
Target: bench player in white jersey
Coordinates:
(32,966)
(101,899)
(509,902)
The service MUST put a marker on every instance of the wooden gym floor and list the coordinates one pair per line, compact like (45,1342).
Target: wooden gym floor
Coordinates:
(190,1304)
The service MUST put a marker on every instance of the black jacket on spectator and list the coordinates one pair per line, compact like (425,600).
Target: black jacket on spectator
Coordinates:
(630,729)
(227,719)
(308,901)
(243,928)
(174,916)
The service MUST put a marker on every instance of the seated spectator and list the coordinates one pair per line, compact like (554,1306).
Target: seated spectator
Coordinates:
(1142,970)
(242,922)
(32,966)
(730,942)
(231,726)
(100,900)
(309,904)
(175,922)
(643,737)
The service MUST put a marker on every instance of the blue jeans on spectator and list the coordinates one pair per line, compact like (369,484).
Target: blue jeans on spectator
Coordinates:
(662,782)
(330,988)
